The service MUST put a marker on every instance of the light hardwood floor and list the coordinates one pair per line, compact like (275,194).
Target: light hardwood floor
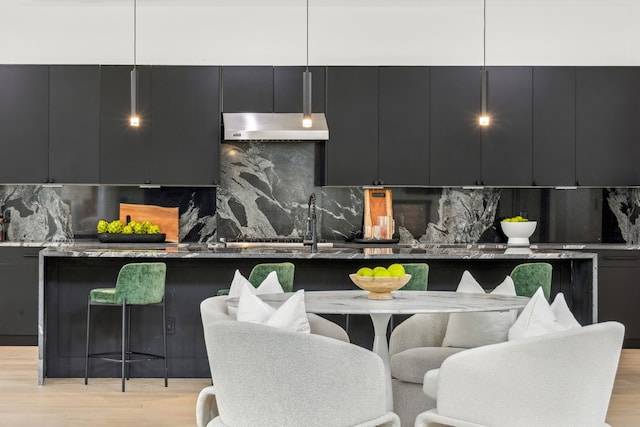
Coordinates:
(68,402)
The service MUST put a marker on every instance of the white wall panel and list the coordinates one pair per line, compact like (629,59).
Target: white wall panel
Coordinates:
(342,32)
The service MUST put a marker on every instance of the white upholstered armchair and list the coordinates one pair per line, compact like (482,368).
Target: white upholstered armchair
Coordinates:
(264,376)
(559,379)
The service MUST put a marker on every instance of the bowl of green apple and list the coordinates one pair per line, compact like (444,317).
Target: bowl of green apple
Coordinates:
(380,281)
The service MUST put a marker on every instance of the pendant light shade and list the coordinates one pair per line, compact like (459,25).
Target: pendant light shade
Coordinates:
(484,82)
(134,119)
(484,119)
(307,121)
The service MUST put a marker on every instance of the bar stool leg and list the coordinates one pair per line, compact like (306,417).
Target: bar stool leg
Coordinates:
(124,328)
(86,354)
(164,342)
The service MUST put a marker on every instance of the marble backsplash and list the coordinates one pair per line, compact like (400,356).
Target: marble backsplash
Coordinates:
(264,192)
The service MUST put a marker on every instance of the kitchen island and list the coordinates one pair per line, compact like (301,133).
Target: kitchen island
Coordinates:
(196,272)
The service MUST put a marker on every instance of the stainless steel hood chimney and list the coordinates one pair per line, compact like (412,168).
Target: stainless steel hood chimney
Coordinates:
(273,127)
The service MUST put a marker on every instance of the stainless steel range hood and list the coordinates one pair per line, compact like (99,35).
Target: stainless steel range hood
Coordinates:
(273,127)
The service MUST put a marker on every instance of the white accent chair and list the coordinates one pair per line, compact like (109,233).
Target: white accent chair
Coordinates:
(215,308)
(559,379)
(415,347)
(264,376)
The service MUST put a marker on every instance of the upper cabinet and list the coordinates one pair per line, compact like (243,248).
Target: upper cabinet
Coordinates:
(507,146)
(124,150)
(554,131)
(247,89)
(403,121)
(607,126)
(24,123)
(287,89)
(74,123)
(177,142)
(352,116)
(454,131)
(185,125)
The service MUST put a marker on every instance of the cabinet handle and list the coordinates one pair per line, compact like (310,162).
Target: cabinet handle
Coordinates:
(30,256)
(620,258)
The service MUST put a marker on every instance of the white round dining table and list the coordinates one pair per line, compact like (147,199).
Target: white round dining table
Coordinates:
(403,302)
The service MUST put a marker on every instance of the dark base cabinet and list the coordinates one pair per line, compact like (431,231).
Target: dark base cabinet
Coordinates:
(19,296)
(619,292)
(68,281)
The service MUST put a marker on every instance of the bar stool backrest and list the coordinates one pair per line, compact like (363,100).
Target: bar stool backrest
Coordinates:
(141,283)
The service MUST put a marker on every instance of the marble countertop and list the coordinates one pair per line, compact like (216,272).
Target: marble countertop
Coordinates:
(202,251)
(94,244)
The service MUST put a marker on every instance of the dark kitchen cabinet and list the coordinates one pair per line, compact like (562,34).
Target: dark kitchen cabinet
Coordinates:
(185,126)
(24,123)
(403,145)
(19,296)
(124,150)
(554,137)
(74,125)
(247,89)
(619,291)
(454,138)
(607,126)
(352,115)
(507,144)
(287,89)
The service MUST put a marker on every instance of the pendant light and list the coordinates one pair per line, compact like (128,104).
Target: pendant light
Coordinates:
(484,74)
(307,122)
(134,119)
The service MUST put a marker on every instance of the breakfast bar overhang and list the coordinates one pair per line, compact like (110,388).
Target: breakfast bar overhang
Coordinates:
(196,272)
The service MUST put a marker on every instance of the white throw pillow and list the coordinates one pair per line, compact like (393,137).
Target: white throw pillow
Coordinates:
(538,318)
(468,330)
(291,315)
(270,285)
(561,310)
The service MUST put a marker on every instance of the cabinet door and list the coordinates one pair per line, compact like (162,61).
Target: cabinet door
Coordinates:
(287,89)
(124,150)
(404,126)
(185,125)
(554,138)
(618,292)
(247,89)
(24,123)
(352,115)
(74,110)
(607,126)
(507,150)
(455,134)
(19,296)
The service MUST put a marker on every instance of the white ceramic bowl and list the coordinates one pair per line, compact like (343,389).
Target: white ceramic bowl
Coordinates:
(380,287)
(518,232)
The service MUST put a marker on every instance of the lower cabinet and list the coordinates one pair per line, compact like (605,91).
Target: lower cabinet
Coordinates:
(619,291)
(19,296)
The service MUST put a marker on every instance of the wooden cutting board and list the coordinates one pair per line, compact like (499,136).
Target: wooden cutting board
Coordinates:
(165,218)
(377,202)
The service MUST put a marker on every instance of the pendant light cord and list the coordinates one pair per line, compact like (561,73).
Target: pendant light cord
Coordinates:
(484,35)
(134,32)
(307,35)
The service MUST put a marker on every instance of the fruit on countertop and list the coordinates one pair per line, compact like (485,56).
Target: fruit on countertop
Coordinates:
(365,271)
(102,226)
(394,270)
(515,219)
(133,227)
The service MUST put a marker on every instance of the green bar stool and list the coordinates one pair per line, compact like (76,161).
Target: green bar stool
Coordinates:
(528,277)
(259,272)
(419,272)
(139,284)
